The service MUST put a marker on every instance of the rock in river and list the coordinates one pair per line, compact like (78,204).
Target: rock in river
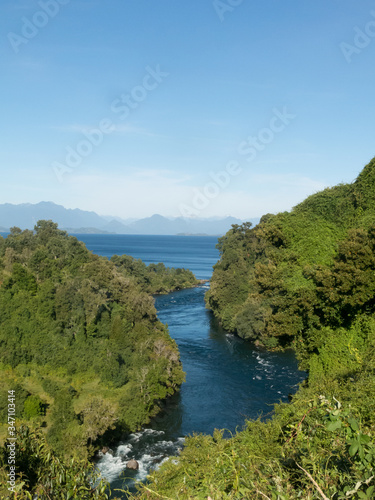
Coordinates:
(132,464)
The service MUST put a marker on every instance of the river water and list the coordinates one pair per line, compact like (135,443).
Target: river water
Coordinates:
(228,380)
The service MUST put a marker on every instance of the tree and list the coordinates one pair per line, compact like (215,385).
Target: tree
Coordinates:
(98,416)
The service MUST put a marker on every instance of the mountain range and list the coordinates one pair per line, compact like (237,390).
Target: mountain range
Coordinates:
(76,221)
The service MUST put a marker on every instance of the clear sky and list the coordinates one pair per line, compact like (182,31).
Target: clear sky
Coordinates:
(189,107)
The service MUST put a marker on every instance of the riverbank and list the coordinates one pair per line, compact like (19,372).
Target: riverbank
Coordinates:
(227,381)
(301,278)
(318,446)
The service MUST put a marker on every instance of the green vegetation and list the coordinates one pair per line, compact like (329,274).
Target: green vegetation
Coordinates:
(296,273)
(43,475)
(80,344)
(304,279)
(155,278)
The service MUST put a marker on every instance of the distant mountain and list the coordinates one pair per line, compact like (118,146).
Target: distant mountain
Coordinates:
(157,224)
(26,215)
(117,227)
(126,222)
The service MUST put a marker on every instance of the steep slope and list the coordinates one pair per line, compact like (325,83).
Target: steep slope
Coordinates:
(306,279)
(268,284)
(80,343)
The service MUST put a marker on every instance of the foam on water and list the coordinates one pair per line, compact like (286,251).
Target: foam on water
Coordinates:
(147,447)
(110,466)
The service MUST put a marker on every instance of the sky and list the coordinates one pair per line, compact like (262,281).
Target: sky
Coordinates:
(197,108)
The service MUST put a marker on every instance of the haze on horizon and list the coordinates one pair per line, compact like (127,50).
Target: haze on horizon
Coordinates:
(201,108)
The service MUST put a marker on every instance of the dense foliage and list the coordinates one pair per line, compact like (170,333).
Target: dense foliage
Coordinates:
(43,475)
(303,279)
(80,343)
(301,271)
(155,278)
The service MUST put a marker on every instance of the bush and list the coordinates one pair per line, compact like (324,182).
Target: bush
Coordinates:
(33,407)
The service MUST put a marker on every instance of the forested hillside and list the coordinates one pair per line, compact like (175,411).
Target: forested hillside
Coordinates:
(155,278)
(299,271)
(304,279)
(80,343)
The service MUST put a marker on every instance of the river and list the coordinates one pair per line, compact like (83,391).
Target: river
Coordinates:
(228,380)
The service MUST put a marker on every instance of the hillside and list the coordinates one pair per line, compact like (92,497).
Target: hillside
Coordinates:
(303,279)
(80,343)
(154,278)
(275,282)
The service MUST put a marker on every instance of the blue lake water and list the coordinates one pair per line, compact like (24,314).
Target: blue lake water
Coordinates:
(228,380)
(197,253)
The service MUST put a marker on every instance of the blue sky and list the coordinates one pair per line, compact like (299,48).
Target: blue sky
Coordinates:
(196,107)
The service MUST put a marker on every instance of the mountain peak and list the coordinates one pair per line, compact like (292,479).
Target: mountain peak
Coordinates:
(26,215)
